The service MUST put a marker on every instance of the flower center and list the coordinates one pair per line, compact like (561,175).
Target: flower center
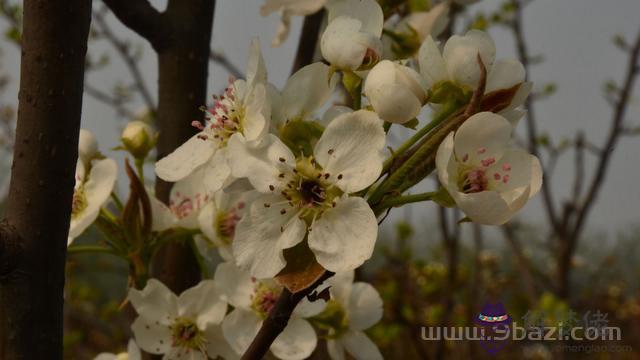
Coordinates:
(264,297)
(182,206)
(79,202)
(224,118)
(309,189)
(481,176)
(226,221)
(334,319)
(186,334)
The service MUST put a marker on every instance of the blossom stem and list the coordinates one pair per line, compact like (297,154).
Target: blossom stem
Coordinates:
(117,201)
(85,249)
(403,200)
(440,117)
(278,318)
(139,163)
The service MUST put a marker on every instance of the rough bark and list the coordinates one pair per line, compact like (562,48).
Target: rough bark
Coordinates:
(183,66)
(33,237)
(181,37)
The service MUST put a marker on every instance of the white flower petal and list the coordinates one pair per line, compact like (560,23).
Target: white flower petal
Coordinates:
(102,178)
(217,345)
(216,173)
(335,350)
(341,284)
(365,306)
(482,136)
(368,12)
(307,309)
(485,207)
(256,70)
(352,146)
(154,302)
(505,74)
(344,45)
(360,346)
(87,146)
(257,112)
(307,90)
(517,165)
(344,236)
(239,329)
(431,22)
(105,356)
(133,350)
(204,303)
(432,65)
(152,337)
(460,53)
(444,157)
(262,235)
(333,112)
(296,342)
(236,285)
(185,159)
(81,222)
(162,217)
(260,163)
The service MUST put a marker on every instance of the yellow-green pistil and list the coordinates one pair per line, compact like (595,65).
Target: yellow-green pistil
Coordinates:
(186,334)
(309,190)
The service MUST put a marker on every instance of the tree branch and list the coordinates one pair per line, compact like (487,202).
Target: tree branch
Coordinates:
(130,61)
(223,61)
(141,17)
(532,132)
(278,319)
(308,40)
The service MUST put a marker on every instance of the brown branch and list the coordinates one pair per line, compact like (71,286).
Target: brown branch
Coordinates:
(113,101)
(308,40)
(54,46)
(278,318)
(141,17)
(522,262)
(612,139)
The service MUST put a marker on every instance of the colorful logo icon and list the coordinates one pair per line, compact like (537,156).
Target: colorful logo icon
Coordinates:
(495,327)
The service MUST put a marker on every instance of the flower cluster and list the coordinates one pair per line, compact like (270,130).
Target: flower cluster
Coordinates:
(288,186)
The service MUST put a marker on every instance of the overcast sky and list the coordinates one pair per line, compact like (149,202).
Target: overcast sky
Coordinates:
(573,35)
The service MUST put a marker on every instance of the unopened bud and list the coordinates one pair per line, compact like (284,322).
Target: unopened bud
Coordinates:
(138,139)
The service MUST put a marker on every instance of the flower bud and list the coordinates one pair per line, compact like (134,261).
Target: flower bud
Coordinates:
(351,40)
(87,146)
(138,139)
(396,92)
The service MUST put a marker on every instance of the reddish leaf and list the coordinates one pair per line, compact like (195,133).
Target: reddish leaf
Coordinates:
(302,269)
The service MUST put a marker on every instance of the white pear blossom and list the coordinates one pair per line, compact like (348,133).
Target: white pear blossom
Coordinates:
(353,308)
(218,221)
(311,195)
(133,353)
(244,109)
(488,178)
(303,94)
(252,300)
(458,64)
(352,36)
(187,199)
(425,23)
(95,178)
(287,8)
(184,327)
(395,91)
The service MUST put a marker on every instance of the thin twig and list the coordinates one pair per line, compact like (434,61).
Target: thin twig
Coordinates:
(223,61)
(278,318)
(130,61)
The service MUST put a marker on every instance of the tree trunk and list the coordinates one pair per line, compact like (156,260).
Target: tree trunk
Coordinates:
(33,237)
(183,63)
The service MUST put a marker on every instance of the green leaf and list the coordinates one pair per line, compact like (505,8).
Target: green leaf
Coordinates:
(464,220)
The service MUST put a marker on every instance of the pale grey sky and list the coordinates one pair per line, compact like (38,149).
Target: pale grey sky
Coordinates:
(573,35)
